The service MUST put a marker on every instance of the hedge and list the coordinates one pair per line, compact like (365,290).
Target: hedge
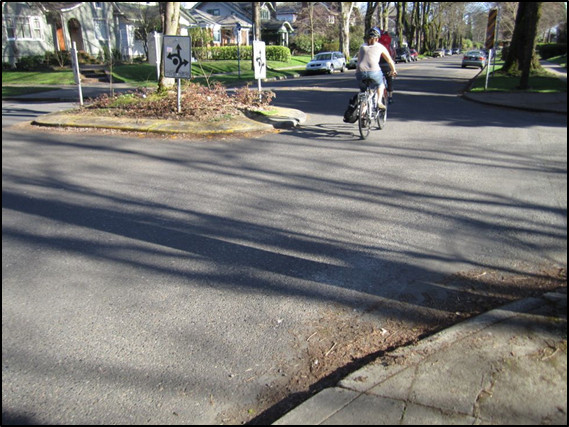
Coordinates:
(216,53)
(549,50)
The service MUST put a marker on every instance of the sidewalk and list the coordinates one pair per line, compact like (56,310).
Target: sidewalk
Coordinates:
(507,366)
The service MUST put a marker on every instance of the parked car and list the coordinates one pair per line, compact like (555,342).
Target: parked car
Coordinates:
(439,53)
(474,58)
(413,54)
(352,63)
(402,55)
(327,62)
(456,51)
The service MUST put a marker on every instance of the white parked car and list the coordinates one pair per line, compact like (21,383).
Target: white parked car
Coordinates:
(327,62)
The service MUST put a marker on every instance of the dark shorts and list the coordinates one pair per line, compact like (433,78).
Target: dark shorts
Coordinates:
(375,76)
(387,73)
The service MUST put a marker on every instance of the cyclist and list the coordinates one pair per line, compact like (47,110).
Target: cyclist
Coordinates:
(385,39)
(368,64)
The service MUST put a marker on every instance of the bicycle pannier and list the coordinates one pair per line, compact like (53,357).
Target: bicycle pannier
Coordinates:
(351,114)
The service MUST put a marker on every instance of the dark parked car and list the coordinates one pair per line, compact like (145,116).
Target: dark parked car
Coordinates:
(352,63)
(413,54)
(402,55)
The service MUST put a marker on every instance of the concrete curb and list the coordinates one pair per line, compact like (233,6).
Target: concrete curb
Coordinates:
(254,122)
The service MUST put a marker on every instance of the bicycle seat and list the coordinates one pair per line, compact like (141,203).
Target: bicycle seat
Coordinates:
(369,82)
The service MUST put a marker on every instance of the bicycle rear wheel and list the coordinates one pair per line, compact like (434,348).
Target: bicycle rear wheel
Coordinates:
(364,119)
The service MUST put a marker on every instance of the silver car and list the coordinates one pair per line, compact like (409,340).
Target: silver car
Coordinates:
(474,58)
(327,62)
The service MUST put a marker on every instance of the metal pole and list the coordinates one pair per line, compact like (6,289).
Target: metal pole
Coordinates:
(76,73)
(488,68)
(179,96)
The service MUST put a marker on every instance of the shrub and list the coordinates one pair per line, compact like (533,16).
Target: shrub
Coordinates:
(220,53)
(199,103)
(31,63)
(278,53)
(250,98)
(549,50)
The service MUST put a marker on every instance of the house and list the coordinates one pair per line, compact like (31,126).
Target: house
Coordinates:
(96,28)
(33,28)
(224,29)
(221,19)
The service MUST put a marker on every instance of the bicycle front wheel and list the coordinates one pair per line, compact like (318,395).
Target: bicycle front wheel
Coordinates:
(364,119)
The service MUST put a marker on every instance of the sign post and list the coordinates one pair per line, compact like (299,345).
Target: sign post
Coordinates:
(177,51)
(259,62)
(490,37)
(76,73)
(238,37)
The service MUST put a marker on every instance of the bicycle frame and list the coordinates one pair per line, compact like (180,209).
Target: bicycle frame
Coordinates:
(367,111)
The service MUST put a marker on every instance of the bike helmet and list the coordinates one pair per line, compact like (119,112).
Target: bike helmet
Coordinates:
(373,33)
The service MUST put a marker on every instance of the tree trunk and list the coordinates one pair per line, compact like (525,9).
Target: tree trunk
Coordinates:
(257,20)
(371,7)
(346,9)
(171,18)
(521,58)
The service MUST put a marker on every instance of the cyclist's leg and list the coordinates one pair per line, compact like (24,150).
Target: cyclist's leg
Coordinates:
(360,77)
(387,73)
(380,91)
(377,78)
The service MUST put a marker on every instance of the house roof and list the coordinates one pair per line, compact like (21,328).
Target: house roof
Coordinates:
(135,11)
(233,20)
(276,26)
(59,6)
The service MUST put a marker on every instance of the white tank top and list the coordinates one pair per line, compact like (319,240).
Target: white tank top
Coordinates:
(369,56)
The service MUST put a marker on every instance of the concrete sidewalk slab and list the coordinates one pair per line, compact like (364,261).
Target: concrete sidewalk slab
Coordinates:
(507,366)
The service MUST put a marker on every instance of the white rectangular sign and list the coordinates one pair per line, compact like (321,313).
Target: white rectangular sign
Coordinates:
(259,60)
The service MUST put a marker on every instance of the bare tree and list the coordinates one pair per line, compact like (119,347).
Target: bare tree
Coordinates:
(370,11)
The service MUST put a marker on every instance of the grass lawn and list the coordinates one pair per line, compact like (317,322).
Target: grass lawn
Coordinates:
(498,82)
(226,72)
(35,78)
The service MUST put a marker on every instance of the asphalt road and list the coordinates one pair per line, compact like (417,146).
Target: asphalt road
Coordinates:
(169,281)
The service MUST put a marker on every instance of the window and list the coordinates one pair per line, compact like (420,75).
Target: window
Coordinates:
(217,35)
(23,27)
(265,14)
(214,12)
(101,29)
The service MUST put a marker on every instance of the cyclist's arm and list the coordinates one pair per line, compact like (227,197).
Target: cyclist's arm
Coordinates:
(389,59)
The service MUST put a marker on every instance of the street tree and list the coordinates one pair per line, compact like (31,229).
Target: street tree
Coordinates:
(370,11)
(346,9)
(170,12)
(521,57)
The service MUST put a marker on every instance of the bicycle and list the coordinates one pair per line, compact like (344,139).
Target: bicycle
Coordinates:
(367,105)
